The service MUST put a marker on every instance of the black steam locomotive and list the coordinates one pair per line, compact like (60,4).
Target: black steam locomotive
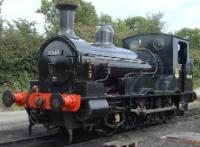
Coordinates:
(100,86)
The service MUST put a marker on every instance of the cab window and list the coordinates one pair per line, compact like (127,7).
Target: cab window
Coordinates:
(182,52)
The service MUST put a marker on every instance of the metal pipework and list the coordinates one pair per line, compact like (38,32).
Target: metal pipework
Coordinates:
(140,111)
(66,19)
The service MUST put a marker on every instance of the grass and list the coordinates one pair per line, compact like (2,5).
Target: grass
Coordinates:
(194,104)
(196,83)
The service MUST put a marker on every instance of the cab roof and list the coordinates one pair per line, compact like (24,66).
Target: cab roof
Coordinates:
(162,34)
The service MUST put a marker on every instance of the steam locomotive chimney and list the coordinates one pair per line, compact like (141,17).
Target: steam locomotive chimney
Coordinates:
(67,17)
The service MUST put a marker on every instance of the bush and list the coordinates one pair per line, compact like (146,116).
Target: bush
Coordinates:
(195,55)
(19,45)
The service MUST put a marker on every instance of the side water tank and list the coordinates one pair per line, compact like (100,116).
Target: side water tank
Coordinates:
(105,35)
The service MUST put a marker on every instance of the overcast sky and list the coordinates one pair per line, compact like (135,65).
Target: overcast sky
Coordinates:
(177,13)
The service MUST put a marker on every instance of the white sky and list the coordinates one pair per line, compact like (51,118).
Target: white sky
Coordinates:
(177,13)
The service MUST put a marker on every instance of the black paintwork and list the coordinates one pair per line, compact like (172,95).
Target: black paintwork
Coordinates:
(63,61)
(7,98)
(151,73)
(166,47)
(156,73)
(72,65)
(66,61)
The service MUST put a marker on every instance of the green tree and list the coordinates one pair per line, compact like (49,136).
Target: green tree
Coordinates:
(25,27)
(105,19)
(152,23)
(121,31)
(194,54)
(135,23)
(155,22)
(1,19)
(18,52)
(192,34)
(86,18)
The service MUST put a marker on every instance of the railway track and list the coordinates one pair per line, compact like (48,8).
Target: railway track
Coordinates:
(45,140)
(192,112)
(58,139)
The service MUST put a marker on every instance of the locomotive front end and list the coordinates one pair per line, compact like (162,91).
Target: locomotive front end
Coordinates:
(56,62)
(56,65)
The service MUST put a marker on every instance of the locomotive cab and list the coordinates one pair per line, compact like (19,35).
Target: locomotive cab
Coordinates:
(173,54)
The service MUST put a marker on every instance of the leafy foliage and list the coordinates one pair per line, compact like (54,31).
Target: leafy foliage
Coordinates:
(152,23)
(121,31)
(86,18)
(18,51)
(105,19)
(193,35)
(1,20)
(195,55)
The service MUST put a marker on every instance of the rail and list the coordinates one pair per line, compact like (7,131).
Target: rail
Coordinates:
(45,140)
(59,139)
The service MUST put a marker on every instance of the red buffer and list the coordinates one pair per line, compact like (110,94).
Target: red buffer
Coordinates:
(38,100)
